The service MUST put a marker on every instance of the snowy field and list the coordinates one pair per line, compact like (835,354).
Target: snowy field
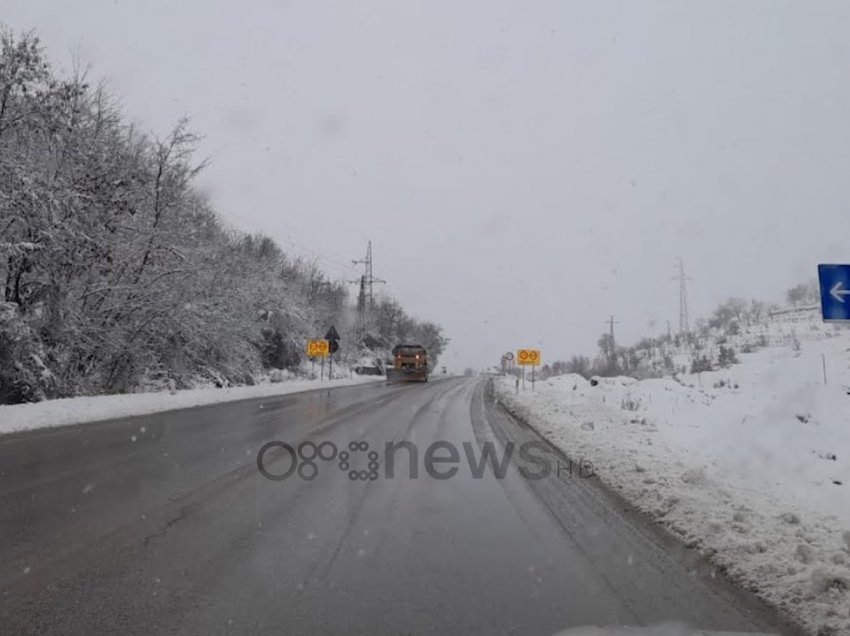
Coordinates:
(748,464)
(21,417)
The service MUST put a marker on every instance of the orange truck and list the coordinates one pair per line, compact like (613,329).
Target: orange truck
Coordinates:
(410,364)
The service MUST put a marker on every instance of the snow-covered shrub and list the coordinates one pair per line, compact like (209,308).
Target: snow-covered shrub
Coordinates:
(727,357)
(629,403)
(700,364)
(23,374)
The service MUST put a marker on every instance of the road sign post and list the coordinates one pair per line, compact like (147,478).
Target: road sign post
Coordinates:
(317,348)
(834,291)
(528,358)
(332,337)
(332,334)
(507,359)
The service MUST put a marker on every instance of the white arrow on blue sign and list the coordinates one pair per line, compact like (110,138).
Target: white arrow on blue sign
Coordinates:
(834,292)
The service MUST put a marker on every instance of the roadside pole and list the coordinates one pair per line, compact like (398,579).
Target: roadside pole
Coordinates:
(332,338)
(317,348)
(834,282)
(528,357)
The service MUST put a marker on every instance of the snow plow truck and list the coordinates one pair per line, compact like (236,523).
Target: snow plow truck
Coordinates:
(409,364)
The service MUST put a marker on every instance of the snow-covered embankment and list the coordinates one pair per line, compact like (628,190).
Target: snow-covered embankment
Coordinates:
(747,464)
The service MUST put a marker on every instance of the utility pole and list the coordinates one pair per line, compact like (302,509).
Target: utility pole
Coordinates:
(611,322)
(361,305)
(612,354)
(683,298)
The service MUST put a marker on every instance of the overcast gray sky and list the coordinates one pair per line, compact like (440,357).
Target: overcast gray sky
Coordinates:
(523,168)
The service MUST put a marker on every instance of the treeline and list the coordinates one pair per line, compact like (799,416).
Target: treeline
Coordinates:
(115,272)
(388,324)
(708,343)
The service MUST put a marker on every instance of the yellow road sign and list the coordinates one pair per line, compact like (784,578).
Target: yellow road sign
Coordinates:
(528,357)
(317,348)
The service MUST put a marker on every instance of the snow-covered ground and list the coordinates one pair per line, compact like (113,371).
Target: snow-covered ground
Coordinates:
(21,417)
(749,464)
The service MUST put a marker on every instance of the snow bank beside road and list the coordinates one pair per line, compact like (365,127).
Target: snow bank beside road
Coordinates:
(22,417)
(754,473)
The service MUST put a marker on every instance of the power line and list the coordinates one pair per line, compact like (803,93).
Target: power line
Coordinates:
(318,254)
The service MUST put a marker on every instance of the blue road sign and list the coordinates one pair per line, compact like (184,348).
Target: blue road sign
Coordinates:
(834,292)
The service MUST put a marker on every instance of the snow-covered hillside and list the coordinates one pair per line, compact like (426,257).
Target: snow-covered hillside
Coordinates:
(748,463)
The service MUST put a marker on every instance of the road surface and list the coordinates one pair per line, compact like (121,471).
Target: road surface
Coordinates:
(164,524)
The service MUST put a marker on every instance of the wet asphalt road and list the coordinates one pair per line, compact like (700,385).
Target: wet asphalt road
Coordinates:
(163,524)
